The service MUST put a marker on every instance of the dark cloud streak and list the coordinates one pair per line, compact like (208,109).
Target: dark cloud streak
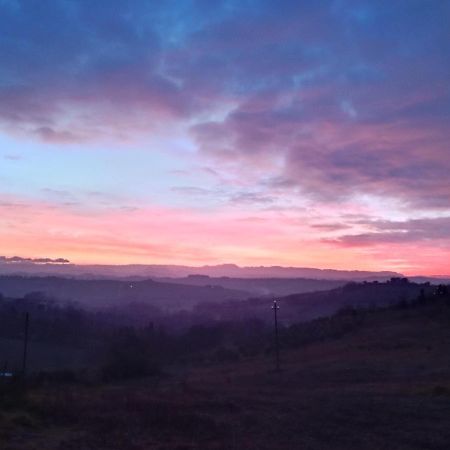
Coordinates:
(18,259)
(435,231)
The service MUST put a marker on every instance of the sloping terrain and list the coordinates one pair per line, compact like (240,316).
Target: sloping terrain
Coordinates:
(382,384)
(306,306)
(104,293)
(260,286)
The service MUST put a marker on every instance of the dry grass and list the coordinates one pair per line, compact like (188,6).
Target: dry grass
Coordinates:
(386,386)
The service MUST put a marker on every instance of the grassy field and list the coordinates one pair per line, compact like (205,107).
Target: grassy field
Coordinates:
(40,356)
(386,385)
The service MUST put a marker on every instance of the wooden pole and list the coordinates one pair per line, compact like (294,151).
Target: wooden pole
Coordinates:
(25,346)
(275,308)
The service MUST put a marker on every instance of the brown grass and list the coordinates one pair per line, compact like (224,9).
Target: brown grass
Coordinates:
(385,386)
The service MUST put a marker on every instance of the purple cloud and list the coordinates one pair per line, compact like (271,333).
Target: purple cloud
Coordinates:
(435,231)
(344,98)
(18,259)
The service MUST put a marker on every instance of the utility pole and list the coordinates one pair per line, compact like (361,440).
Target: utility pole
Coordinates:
(25,346)
(275,308)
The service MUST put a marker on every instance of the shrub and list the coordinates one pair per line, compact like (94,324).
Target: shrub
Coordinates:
(128,357)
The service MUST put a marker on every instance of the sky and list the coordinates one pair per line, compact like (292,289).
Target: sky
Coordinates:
(299,133)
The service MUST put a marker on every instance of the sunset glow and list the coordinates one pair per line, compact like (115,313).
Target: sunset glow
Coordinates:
(310,134)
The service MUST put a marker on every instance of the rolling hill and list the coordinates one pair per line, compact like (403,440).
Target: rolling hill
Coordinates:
(107,293)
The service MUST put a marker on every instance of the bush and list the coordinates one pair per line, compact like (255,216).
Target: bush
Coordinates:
(223,354)
(128,357)
(55,377)
(13,394)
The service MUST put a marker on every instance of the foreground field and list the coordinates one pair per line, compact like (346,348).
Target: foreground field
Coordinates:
(385,385)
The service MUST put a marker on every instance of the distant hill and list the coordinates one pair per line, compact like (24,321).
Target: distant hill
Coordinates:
(260,286)
(107,293)
(24,267)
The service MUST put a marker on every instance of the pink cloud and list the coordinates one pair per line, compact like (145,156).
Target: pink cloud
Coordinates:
(164,235)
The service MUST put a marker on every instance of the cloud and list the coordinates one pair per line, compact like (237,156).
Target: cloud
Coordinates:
(70,71)
(323,105)
(191,190)
(331,157)
(435,231)
(359,115)
(12,157)
(50,135)
(18,259)
(155,234)
(330,226)
(251,198)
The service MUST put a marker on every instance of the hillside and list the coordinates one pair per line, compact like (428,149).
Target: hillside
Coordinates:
(260,286)
(107,293)
(27,266)
(310,305)
(382,383)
